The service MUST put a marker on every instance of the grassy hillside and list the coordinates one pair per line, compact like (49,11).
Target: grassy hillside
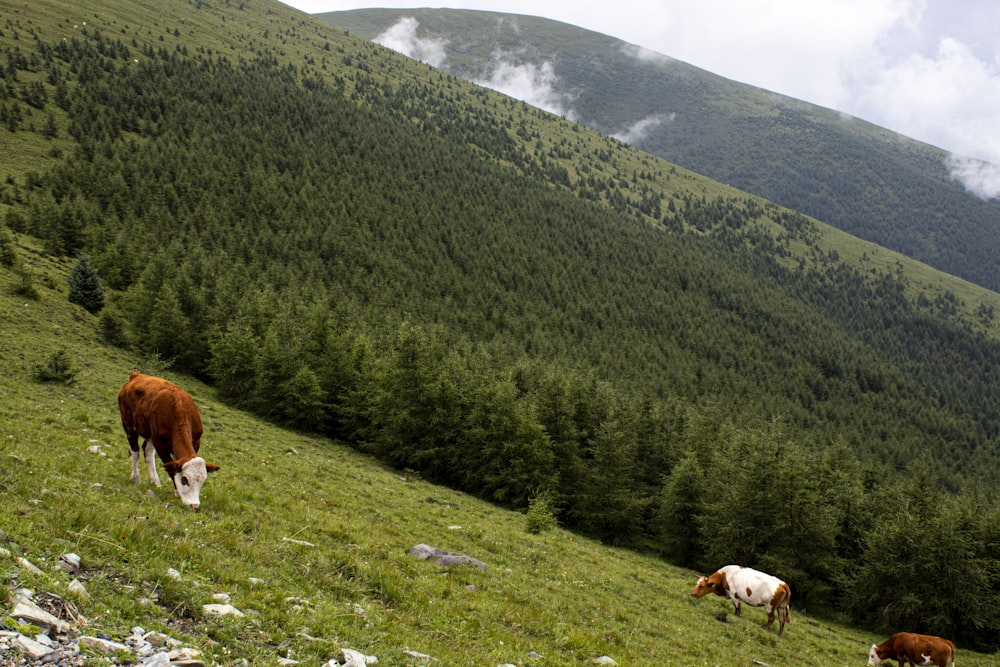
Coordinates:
(567,598)
(861,178)
(351,243)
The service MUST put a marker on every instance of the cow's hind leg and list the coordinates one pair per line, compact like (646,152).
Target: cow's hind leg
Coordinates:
(150,452)
(135,464)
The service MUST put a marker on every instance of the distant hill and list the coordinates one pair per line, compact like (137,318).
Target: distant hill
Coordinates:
(868,181)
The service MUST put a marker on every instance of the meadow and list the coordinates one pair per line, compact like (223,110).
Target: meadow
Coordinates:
(310,538)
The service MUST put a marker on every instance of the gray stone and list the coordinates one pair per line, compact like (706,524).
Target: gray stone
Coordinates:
(102,645)
(216,610)
(30,648)
(28,612)
(444,558)
(160,659)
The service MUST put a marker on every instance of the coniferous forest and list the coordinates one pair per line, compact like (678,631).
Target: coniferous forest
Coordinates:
(486,295)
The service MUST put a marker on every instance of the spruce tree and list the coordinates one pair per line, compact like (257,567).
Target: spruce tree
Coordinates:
(85,286)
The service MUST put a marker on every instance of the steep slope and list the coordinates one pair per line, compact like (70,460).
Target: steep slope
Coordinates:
(863,179)
(308,539)
(349,242)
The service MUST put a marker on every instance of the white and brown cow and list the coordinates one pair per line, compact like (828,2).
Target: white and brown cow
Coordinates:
(916,649)
(743,584)
(163,414)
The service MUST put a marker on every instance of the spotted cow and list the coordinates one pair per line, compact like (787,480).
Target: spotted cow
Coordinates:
(916,649)
(743,584)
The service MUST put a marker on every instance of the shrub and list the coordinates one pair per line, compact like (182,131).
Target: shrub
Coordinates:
(85,286)
(541,514)
(8,255)
(58,368)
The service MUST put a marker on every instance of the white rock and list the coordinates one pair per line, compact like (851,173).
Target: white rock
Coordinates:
(221,597)
(28,565)
(29,647)
(69,562)
(160,659)
(173,574)
(184,654)
(28,612)
(216,610)
(102,645)
(353,658)
(605,660)
(77,589)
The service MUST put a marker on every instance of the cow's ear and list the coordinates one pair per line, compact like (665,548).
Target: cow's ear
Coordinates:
(211,467)
(697,575)
(172,467)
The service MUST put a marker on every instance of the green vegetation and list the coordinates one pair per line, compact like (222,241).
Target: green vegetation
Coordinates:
(342,241)
(85,286)
(863,179)
(566,597)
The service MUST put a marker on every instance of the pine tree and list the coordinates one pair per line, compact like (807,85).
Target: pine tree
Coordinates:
(85,286)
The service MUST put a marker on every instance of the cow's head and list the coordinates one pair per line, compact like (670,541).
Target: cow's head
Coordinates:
(873,657)
(189,476)
(714,583)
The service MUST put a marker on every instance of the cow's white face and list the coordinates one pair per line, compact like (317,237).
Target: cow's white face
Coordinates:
(873,658)
(189,480)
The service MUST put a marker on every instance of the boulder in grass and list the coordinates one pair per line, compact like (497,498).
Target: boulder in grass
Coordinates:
(444,558)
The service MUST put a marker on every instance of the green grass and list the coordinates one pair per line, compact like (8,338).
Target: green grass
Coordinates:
(564,597)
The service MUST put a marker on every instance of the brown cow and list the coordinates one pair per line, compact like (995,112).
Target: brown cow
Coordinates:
(917,649)
(164,414)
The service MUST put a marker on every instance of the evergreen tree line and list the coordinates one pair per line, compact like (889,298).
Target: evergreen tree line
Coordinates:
(328,263)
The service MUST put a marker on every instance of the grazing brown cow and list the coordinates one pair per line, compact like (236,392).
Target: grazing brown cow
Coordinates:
(164,414)
(743,584)
(917,649)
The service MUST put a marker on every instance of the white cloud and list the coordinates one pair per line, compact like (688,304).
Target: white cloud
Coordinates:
(644,54)
(638,130)
(402,37)
(929,69)
(949,98)
(534,84)
(980,178)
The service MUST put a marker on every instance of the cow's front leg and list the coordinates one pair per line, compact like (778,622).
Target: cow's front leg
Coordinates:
(150,453)
(739,608)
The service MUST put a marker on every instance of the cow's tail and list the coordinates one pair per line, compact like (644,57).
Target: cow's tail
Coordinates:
(785,602)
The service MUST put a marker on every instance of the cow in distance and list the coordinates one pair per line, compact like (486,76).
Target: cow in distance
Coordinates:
(916,649)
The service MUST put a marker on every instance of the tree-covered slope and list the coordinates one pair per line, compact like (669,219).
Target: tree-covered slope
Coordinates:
(308,539)
(863,179)
(348,242)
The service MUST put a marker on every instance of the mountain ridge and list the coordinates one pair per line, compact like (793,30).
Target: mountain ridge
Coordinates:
(866,180)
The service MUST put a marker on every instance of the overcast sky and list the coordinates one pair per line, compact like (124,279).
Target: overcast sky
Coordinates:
(929,69)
